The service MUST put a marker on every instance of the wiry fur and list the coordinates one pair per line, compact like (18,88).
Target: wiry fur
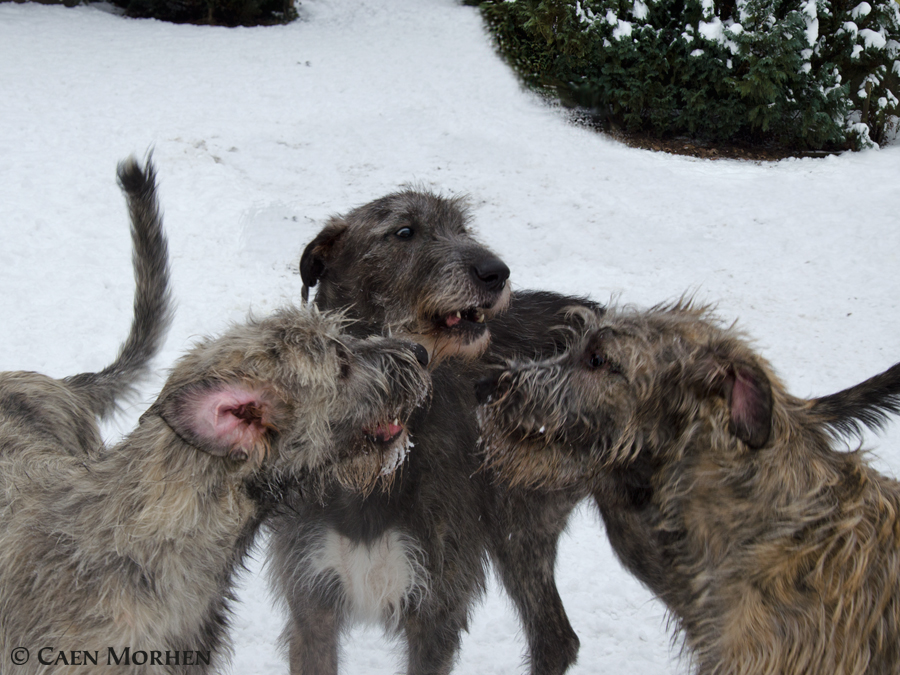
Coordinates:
(70,405)
(527,520)
(377,582)
(432,516)
(775,551)
(152,304)
(409,286)
(408,263)
(135,545)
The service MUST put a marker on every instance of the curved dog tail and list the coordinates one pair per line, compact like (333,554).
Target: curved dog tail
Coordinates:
(153,313)
(868,404)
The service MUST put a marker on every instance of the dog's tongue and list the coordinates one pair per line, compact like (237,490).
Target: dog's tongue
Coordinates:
(452,320)
(385,432)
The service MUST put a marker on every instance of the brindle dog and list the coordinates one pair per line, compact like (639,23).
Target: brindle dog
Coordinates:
(775,550)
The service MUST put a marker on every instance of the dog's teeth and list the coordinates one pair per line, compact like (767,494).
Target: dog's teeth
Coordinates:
(458,314)
(479,316)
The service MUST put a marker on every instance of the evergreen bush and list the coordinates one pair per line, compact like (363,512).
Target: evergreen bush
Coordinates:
(218,12)
(807,74)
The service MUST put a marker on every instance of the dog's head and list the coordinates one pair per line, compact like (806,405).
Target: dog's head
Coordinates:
(634,383)
(293,393)
(408,262)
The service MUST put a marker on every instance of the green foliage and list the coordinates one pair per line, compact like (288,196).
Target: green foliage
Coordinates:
(67,3)
(808,74)
(218,12)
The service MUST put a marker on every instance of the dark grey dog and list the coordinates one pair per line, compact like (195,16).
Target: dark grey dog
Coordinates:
(775,551)
(123,557)
(408,264)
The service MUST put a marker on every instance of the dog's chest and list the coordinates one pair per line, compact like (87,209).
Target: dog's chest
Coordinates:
(376,580)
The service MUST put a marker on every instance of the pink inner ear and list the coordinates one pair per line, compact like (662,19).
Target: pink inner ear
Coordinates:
(751,407)
(745,397)
(233,417)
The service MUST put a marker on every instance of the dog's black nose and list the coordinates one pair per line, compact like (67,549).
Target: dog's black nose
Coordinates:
(421,354)
(491,273)
(485,387)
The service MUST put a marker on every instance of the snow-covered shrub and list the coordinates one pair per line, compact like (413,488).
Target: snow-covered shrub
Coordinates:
(805,73)
(219,12)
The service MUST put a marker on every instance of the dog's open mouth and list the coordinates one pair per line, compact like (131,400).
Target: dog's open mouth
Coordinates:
(392,444)
(462,318)
(462,330)
(466,324)
(378,452)
(384,434)
(458,332)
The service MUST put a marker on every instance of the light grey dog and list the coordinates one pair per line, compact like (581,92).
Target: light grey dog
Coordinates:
(36,398)
(123,557)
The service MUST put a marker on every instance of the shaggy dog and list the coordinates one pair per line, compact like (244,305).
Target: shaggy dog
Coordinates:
(123,557)
(776,551)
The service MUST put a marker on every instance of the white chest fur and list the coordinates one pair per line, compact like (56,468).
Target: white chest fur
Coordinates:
(376,582)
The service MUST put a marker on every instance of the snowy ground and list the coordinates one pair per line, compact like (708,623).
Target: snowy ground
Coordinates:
(260,134)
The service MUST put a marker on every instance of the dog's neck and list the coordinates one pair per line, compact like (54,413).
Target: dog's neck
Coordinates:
(167,507)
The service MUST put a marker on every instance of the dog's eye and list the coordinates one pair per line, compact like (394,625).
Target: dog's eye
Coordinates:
(597,360)
(404,233)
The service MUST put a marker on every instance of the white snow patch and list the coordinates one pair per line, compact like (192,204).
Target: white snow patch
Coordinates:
(622,30)
(861,10)
(376,579)
(639,10)
(584,13)
(872,39)
(712,30)
(810,9)
(812,32)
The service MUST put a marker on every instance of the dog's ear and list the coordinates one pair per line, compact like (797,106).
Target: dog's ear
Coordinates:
(748,392)
(751,405)
(318,252)
(224,419)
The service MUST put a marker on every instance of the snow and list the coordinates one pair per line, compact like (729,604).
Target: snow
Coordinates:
(622,28)
(260,134)
(639,10)
(810,9)
(873,38)
(716,31)
(584,13)
(712,30)
(861,10)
